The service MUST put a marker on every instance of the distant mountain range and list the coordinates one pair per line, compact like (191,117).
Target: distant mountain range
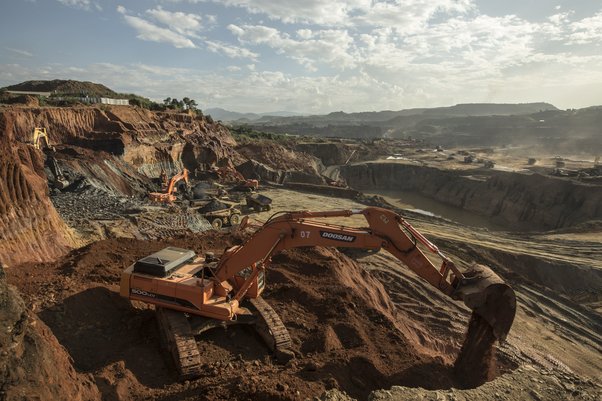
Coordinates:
(387,122)
(226,115)
(342,118)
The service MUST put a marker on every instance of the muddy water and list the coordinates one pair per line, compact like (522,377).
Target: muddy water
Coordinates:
(421,204)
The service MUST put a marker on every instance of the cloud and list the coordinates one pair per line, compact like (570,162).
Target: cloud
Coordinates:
(148,31)
(81,4)
(404,13)
(230,50)
(587,30)
(182,23)
(291,11)
(330,47)
(19,52)
(251,90)
(409,16)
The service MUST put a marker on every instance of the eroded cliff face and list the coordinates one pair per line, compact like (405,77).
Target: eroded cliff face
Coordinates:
(328,153)
(125,138)
(519,201)
(30,228)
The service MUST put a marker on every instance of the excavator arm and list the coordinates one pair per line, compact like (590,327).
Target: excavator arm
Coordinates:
(177,178)
(479,288)
(168,195)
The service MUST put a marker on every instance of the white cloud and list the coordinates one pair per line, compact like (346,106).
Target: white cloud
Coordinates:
(151,32)
(230,50)
(304,33)
(19,52)
(405,13)
(211,19)
(410,15)
(82,4)
(587,30)
(550,80)
(182,23)
(307,11)
(331,47)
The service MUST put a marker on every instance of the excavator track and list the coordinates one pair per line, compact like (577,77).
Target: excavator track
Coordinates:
(178,338)
(272,330)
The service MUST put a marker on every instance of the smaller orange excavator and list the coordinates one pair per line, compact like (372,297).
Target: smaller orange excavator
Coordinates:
(193,294)
(168,196)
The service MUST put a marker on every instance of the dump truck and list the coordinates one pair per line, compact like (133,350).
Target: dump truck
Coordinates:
(221,213)
(258,202)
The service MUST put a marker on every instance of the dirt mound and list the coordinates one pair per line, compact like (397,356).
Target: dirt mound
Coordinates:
(345,330)
(33,363)
(64,87)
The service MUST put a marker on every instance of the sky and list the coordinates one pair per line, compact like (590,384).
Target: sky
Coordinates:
(313,56)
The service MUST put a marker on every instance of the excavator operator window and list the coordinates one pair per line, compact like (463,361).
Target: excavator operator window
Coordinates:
(245,273)
(261,280)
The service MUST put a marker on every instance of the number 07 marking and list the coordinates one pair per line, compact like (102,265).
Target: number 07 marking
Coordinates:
(305,234)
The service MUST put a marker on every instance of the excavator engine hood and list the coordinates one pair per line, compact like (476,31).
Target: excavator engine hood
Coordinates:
(490,297)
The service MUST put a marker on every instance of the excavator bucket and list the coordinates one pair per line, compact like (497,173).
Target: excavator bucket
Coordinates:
(490,297)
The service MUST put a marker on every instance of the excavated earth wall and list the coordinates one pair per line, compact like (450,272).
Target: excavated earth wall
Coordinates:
(517,201)
(147,141)
(30,228)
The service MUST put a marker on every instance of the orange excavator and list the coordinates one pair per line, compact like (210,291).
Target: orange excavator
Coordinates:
(192,294)
(168,196)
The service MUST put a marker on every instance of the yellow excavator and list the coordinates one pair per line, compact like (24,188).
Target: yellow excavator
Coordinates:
(40,139)
(192,294)
(41,142)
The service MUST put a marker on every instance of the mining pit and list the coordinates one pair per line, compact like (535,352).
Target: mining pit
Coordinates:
(363,326)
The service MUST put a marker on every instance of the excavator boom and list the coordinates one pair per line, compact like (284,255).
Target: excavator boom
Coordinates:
(480,288)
